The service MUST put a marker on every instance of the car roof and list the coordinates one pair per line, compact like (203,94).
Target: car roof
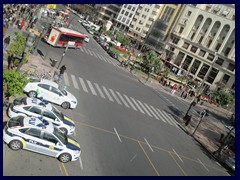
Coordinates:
(37,123)
(38,102)
(48,82)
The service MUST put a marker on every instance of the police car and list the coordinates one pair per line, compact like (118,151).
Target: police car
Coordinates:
(42,137)
(26,106)
(51,92)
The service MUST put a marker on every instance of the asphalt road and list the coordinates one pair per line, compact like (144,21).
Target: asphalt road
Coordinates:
(123,126)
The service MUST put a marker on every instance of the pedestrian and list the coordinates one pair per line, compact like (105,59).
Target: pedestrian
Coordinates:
(62,70)
(6,41)
(174,88)
(22,24)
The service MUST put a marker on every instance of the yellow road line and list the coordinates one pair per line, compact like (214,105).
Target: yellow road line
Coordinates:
(149,159)
(178,164)
(64,168)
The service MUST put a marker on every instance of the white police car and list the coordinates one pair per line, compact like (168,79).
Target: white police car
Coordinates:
(26,106)
(51,92)
(35,135)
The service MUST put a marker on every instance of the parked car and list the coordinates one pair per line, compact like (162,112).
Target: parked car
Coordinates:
(230,161)
(87,38)
(113,55)
(42,137)
(26,106)
(51,92)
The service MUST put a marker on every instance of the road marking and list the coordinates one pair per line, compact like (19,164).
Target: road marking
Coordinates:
(107,93)
(130,102)
(163,116)
(94,54)
(115,97)
(81,49)
(99,56)
(103,58)
(85,50)
(173,120)
(91,88)
(83,85)
(74,82)
(151,111)
(203,165)
(123,100)
(157,113)
(137,105)
(117,135)
(167,116)
(90,52)
(177,155)
(60,169)
(149,159)
(133,157)
(64,168)
(99,90)
(144,108)
(80,162)
(148,145)
(177,164)
(66,79)
(74,133)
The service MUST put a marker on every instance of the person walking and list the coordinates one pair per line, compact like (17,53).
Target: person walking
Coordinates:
(174,88)
(6,41)
(61,72)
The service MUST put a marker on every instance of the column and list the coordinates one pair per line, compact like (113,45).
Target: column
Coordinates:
(216,36)
(226,39)
(208,32)
(200,28)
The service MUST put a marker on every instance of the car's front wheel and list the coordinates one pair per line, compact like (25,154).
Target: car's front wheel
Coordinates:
(15,145)
(64,130)
(32,94)
(65,105)
(65,157)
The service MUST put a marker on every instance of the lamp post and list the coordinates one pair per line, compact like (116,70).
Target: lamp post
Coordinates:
(28,44)
(203,81)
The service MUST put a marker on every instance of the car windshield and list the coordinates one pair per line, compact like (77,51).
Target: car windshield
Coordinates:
(58,113)
(16,121)
(19,101)
(60,135)
(62,90)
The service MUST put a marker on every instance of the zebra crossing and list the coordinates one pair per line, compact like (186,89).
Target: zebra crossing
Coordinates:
(121,99)
(98,56)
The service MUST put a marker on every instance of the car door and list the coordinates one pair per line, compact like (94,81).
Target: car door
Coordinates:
(49,116)
(34,111)
(56,95)
(44,90)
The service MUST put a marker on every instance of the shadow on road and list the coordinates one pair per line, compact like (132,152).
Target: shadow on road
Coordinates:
(40,53)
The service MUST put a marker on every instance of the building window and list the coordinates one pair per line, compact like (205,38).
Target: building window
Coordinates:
(210,57)
(218,46)
(189,13)
(187,63)
(193,49)
(140,22)
(133,9)
(143,16)
(185,45)
(123,12)
(219,61)
(203,71)
(231,67)
(233,17)
(212,75)
(195,66)
(146,9)
(125,5)
(157,6)
(179,58)
(200,40)
(129,6)
(181,30)
(226,52)
(127,21)
(126,13)
(130,15)
(192,36)
(175,40)
(202,53)
(131,26)
(225,78)
(151,19)
(119,18)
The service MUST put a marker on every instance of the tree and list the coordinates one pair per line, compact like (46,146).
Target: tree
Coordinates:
(123,39)
(222,97)
(13,82)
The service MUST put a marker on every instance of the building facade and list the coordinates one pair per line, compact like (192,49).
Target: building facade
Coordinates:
(203,44)
(141,23)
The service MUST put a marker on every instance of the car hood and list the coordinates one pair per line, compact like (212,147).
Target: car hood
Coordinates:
(71,96)
(68,121)
(72,144)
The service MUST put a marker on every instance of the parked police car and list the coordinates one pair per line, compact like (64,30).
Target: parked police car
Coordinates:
(26,106)
(52,92)
(42,137)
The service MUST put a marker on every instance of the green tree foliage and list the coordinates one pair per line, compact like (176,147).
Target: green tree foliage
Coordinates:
(222,97)
(123,39)
(13,82)
(17,46)
(149,59)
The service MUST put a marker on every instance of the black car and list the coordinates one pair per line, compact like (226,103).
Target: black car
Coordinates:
(113,54)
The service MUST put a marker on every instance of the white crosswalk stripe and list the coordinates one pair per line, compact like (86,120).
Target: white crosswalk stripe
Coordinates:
(75,84)
(144,108)
(137,105)
(123,100)
(107,93)
(172,121)
(94,54)
(157,113)
(99,56)
(115,97)
(131,104)
(66,81)
(83,85)
(103,58)
(151,111)
(81,48)
(90,52)
(99,90)
(91,88)
(163,115)
(85,50)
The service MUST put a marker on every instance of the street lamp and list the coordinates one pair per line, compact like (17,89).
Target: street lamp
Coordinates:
(29,43)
